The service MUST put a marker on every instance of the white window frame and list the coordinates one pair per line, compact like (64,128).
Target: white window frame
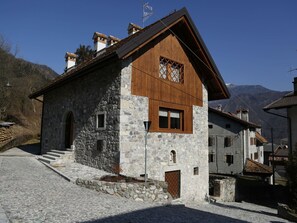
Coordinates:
(104,121)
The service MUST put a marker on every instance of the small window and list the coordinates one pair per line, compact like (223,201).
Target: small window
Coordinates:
(251,156)
(170,119)
(211,157)
(227,141)
(210,141)
(210,126)
(253,141)
(173,156)
(100,145)
(100,120)
(228,126)
(229,159)
(196,170)
(256,156)
(171,70)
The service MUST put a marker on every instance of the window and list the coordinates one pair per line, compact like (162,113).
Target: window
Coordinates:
(171,70)
(210,126)
(170,119)
(100,120)
(100,145)
(229,159)
(211,157)
(210,141)
(173,156)
(255,155)
(253,141)
(196,170)
(227,141)
(228,126)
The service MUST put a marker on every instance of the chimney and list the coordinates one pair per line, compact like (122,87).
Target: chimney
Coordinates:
(219,107)
(100,41)
(243,114)
(112,40)
(295,85)
(70,59)
(133,28)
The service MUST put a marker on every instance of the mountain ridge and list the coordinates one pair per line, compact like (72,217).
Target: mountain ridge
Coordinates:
(254,98)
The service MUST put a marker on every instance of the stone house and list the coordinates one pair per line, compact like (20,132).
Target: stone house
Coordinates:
(162,73)
(232,140)
(288,102)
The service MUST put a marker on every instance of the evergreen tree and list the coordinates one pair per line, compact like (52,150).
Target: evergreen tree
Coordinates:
(83,53)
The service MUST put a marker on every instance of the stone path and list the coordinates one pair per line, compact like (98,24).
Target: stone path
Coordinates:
(30,192)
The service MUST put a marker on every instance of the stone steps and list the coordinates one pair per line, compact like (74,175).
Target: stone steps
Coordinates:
(55,157)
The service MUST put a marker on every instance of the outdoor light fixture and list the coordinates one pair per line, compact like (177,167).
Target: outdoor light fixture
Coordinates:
(147,125)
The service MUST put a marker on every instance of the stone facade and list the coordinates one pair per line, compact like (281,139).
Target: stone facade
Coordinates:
(85,97)
(191,149)
(108,91)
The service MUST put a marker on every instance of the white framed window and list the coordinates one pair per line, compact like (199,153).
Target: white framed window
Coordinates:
(100,120)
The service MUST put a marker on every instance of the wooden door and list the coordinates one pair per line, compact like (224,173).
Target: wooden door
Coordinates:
(173,180)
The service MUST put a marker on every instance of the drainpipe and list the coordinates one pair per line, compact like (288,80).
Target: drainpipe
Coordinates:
(273,167)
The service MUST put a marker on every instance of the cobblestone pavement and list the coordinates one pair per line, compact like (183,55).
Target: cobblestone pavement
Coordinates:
(30,192)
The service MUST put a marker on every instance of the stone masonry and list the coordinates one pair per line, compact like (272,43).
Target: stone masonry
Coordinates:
(85,97)
(108,90)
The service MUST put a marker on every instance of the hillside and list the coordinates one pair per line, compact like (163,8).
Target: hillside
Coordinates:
(254,98)
(18,79)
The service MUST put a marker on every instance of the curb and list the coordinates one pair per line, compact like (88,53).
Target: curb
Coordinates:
(56,171)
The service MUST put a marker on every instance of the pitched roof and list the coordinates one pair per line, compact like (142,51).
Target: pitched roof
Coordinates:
(233,117)
(127,46)
(286,101)
(261,138)
(255,168)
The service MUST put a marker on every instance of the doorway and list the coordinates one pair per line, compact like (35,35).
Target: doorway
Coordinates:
(173,180)
(69,124)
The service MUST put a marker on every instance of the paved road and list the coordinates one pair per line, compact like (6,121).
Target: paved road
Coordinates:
(30,192)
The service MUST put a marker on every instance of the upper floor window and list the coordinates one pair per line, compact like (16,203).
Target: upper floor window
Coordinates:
(227,141)
(171,70)
(100,121)
(210,141)
(253,141)
(170,119)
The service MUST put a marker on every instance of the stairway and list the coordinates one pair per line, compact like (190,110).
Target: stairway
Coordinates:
(57,157)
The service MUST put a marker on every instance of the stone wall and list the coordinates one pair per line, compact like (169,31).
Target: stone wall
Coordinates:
(223,188)
(191,149)
(155,191)
(92,93)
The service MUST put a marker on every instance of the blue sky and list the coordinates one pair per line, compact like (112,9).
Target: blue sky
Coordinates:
(251,41)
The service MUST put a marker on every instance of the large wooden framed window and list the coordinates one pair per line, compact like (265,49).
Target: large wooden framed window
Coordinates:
(171,70)
(168,117)
(171,119)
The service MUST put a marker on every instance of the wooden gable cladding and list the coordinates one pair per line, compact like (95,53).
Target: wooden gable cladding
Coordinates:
(145,73)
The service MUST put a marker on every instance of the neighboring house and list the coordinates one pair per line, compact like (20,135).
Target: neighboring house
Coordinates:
(279,159)
(162,73)
(288,102)
(232,140)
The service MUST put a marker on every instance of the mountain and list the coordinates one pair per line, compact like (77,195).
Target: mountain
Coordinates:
(18,79)
(254,98)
